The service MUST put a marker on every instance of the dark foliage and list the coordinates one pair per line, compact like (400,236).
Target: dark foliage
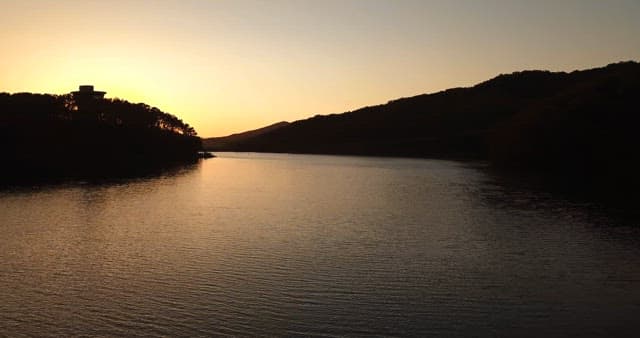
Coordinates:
(584,135)
(44,137)
(578,127)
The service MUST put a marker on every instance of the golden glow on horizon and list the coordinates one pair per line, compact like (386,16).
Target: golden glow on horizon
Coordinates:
(230,66)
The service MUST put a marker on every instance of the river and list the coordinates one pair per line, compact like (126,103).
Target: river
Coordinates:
(299,245)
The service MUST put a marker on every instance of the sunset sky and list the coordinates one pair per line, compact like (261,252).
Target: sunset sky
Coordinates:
(230,66)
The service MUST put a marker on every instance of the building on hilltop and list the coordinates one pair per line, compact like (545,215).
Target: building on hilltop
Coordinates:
(88,101)
(86,91)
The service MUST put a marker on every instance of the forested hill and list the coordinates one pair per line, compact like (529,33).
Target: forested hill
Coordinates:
(583,121)
(218,143)
(56,136)
(463,122)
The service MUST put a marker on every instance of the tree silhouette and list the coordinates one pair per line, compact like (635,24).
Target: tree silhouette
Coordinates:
(45,135)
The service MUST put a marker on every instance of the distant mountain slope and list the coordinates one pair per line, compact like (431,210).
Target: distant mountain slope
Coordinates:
(451,123)
(220,143)
(582,124)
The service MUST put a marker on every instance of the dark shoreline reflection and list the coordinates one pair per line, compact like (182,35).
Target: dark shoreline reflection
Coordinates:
(530,191)
(122,177)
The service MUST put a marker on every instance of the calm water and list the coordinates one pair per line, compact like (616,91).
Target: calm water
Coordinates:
(287,245)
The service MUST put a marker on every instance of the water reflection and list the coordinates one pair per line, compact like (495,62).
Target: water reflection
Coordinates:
(163,172)
(266,244)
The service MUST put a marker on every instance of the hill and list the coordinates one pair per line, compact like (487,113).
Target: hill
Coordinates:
(581,125)
(45,137)
(219,143)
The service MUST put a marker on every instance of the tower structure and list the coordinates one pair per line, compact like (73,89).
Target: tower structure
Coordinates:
(86,91)
(87,101)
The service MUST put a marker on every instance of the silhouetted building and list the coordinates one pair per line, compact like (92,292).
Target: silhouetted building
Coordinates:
(88,101)
(86,91)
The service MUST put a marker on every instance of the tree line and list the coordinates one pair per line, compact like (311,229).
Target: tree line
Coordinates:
(22,108)
(44,137)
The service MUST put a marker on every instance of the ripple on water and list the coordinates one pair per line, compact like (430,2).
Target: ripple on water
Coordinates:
(293,245)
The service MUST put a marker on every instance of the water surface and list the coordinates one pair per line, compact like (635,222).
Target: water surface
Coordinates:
(286,245)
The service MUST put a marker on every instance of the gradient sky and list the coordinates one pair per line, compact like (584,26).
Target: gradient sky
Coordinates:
(230,66)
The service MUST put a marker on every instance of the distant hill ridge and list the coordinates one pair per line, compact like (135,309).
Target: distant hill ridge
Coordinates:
(583,122)
(458,122)
(219,143)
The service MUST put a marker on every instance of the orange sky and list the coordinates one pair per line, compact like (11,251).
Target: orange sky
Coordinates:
(230,66)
